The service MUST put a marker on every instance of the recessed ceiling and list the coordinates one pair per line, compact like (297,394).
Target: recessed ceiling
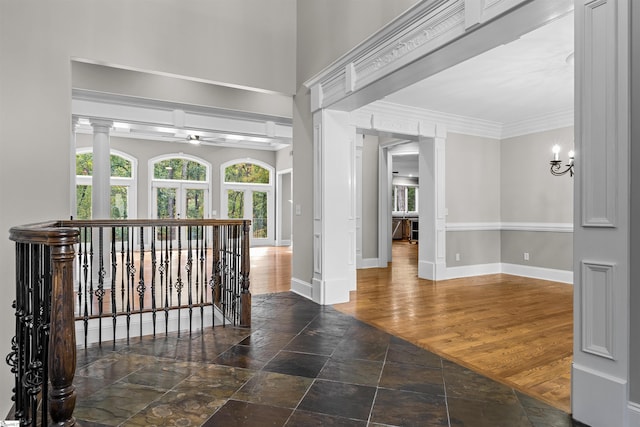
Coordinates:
(527,78)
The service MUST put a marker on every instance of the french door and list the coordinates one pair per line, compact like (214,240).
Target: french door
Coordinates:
(173,200)
(254,203)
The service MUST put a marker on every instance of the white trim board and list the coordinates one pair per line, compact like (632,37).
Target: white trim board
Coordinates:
(93,327)
(302,288)
(560,227)
(554,275)
(633,410)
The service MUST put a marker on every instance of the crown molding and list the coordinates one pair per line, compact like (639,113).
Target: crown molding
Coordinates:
(388,116)
(542,123)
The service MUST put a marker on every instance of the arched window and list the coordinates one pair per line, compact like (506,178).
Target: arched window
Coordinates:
(180,187)
(247,192)
(123,184)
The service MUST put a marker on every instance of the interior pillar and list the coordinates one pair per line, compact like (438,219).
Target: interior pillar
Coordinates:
(334,216)
(431,205)
(101,177)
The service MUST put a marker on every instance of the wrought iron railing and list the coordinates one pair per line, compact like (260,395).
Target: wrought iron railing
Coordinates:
(107,274)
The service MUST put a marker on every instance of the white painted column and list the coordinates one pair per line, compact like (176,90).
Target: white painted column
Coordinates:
(600,370)
(359,146)
(72,170)
(431,206)
(384,207)
(334,233)
(101,178)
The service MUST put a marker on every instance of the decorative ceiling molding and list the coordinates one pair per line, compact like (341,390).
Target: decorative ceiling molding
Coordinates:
(422,29)
(549,121)
(163,121)
(412,121)
(418,32)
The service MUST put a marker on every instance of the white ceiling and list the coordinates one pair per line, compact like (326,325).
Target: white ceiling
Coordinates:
(527,78)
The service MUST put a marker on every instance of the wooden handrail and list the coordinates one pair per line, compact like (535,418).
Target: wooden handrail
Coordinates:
(60,239)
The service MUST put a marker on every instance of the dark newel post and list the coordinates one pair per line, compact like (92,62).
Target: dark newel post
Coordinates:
(62,343)
(245,297)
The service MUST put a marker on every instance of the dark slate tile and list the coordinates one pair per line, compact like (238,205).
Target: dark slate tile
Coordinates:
(367,347)
(113,404)
(298,364)
(269,339)
(314,342)
(343,400)
(238,414)
(177,409)
(401,376)
(243,356)
(164,374)
(216,380)
(353,371)
(405,408)
(270,388)
(475,413)
(404,352)
(466,384)
(542,415)
(312,419)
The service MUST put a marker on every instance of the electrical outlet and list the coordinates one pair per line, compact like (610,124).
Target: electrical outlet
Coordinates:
(298,210)
(457,257)
(526,256)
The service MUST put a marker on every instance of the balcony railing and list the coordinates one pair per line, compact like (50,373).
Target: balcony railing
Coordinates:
(103,278)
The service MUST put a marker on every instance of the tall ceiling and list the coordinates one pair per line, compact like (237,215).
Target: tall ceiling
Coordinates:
(528,78)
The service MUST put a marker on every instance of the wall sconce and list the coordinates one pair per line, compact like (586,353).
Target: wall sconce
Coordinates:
(556,163)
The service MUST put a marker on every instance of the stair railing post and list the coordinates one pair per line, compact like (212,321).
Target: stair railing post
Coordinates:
(245,296)
(62,343)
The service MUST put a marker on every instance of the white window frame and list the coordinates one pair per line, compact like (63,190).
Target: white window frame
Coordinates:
(406,198)
(244,186)
(181,184)
(131,183)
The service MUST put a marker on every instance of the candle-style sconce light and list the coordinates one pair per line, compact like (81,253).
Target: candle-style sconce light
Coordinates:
(556,163)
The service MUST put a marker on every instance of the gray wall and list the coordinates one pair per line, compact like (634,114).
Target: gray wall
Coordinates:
(285,208)
(474,247)
(634,374)
(529,192)
(370,197)
(472,168)
(546,249)
(248,43)
(508,181)
(350,22)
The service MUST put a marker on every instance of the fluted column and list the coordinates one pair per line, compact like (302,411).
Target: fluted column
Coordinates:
(101,186)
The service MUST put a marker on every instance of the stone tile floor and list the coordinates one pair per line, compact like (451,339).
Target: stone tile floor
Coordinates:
(300,365)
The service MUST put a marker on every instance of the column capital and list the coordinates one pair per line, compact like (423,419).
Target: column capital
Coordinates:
(101,125)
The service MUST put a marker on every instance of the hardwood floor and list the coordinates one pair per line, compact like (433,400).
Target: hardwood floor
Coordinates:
(515,330)
(270,269)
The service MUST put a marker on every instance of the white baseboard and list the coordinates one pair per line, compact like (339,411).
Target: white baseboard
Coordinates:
(283,243)
(302,288)
(473,270)
(563,276)
(633,409)
(514,269)
(369,263)
(93,326)
(598,399)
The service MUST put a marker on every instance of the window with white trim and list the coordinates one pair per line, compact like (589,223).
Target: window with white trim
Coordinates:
(123,184)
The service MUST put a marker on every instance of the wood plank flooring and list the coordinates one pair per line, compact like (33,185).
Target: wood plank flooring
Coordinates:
(515,330)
